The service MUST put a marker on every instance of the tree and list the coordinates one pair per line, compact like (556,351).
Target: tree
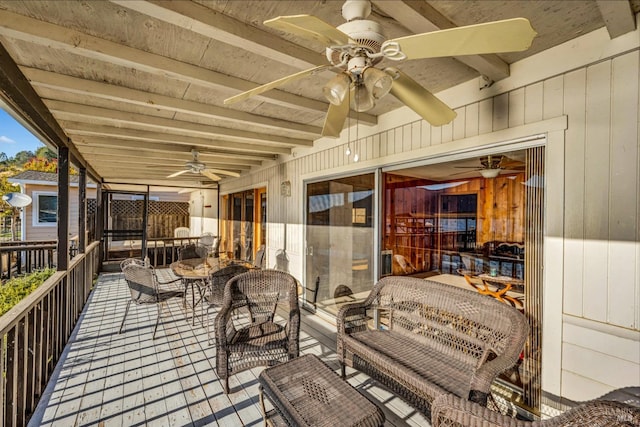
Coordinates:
(45,152)
(7,210)
(22,157)
(41,164)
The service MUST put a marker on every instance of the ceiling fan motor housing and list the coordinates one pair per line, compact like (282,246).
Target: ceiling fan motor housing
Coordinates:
(365,34)
(195,166)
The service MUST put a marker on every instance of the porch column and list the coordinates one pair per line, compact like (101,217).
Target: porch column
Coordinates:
(82,210)
(100,221)
(63,208)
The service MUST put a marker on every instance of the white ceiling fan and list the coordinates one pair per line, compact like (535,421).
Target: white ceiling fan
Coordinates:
(197,167)
(355,47)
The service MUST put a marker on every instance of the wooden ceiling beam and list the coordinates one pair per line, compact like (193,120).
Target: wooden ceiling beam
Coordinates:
(19,95)
(418,16)
(618,16)
(78,128)
(194,17)
(160,164)
(91,88)
(53,36)
(85,113)
(85,142)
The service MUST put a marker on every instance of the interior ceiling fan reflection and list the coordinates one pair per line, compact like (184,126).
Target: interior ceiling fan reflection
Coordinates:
(491,166)
(355,47)
(197,167)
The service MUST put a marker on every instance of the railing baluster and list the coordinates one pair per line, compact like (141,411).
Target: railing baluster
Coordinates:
(33,334)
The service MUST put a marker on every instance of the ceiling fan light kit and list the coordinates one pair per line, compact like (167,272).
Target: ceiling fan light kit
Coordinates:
(337,88)
(356,46)
(490,173)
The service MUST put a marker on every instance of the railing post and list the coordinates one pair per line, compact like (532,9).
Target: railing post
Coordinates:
(82,210)
(63,208)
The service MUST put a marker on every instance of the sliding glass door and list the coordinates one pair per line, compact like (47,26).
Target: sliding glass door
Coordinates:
(339,241)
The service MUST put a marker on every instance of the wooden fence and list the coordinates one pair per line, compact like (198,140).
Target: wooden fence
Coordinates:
(34,333)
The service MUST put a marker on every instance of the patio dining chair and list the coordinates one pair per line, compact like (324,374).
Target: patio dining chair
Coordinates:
(193,251)
(215,292)
(258,338)
(207,239)
(146,290)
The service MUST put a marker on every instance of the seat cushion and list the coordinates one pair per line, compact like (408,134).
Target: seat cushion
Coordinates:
(259,337)
(410,362)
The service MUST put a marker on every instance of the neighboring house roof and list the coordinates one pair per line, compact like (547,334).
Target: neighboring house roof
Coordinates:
(44,178)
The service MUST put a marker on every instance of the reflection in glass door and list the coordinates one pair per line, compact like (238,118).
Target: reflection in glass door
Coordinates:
(339,261)
(243,220)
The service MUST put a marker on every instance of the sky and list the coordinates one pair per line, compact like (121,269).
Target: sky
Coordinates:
(14,137)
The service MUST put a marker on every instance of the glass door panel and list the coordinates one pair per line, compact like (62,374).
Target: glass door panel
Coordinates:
(339,241)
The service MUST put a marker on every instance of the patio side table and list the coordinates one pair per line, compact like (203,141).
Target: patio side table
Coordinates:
(306,392)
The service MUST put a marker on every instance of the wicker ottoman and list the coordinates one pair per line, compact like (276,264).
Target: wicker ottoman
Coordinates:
(306,392)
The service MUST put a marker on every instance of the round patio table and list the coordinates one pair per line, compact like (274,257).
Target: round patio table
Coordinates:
(194,274)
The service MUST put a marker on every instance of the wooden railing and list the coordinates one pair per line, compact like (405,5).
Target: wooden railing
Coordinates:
(34,333)
(20,257)
(163,251)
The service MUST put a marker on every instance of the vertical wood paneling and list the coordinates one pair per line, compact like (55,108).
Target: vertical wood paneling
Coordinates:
(485,116)
(501,112)
(574,108)
(516,107)
(533,103)
(415,135)
(623,279)
(406,137)
(459,123)
(383,144)
(446,132)
(436,135)
(471,116)
(398,142)
(596,205)
(425,133)
(376,146)
(552,97)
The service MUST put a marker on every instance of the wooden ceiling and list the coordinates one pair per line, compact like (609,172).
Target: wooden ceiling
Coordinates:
(136,85)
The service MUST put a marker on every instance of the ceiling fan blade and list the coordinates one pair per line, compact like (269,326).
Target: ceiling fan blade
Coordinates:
(223,172)
(334,120)
(510,35)
(272,85)
(419,99)
(210,175)
(173,175)
(310,28)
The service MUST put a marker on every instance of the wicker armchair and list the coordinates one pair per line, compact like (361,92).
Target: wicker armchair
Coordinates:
(451,411)
(217,281)
(257,339)
(145,289)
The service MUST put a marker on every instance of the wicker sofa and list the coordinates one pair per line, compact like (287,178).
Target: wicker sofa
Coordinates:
(435,339)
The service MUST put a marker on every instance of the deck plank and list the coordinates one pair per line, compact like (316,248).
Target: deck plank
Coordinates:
(107,378)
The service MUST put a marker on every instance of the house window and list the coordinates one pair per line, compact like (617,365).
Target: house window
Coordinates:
(45,209)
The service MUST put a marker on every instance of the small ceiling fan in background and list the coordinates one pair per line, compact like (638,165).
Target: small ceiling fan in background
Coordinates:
(355,47)
(490,166)
(197,167)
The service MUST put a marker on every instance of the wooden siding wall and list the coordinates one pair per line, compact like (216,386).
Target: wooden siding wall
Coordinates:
(50,232)
(592,280)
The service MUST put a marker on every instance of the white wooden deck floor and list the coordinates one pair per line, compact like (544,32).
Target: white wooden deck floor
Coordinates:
(129,379)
